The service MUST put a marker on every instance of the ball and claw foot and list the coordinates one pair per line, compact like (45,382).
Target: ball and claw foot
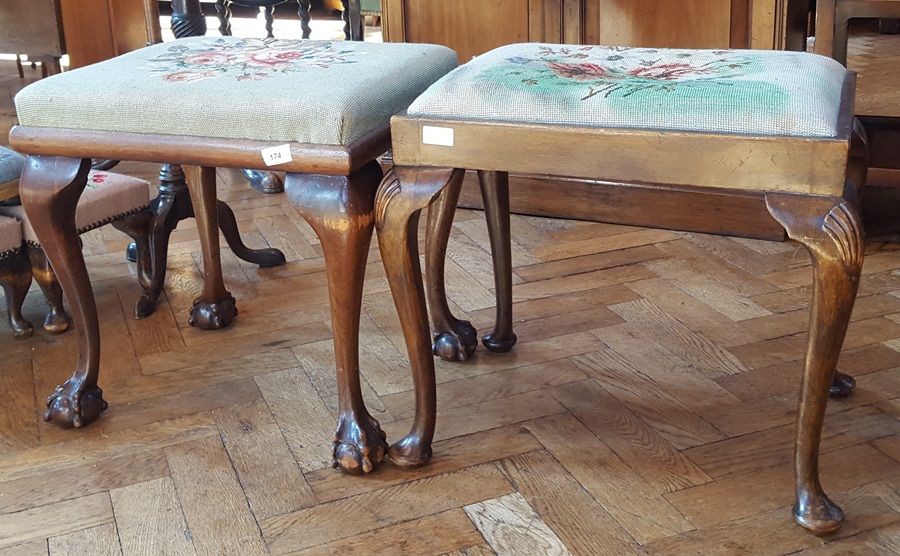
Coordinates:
(820,516)
(458,344)
(70,407)
(409,452)
(213,316)
(358,450)
(842,385)
(499,345)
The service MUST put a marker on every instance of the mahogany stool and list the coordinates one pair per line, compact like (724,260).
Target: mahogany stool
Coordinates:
(779,124)
(318,110)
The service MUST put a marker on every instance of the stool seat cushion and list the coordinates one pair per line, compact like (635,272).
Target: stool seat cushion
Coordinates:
(106,197)
(749,92)
(10,235)
(303,91)
(11,164)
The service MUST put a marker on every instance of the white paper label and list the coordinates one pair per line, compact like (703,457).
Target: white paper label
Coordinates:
(276,155)
(432,135)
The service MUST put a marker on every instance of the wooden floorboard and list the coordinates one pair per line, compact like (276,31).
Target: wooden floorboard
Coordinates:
(648,408)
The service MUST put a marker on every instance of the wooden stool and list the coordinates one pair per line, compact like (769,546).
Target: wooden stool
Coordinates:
(778,124)
(318,110)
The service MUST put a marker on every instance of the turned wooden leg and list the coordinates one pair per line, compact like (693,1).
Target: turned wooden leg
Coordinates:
(453,339)
(830,229)
(341,211)
(15,279)
(215,308)
(269,15)
(353,23)
(137,227)
(50,188)
(303,12)
(57,320)
(402,195)
(495,196)
(223,12)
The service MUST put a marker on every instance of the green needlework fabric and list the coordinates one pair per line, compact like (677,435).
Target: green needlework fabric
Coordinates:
(748,92)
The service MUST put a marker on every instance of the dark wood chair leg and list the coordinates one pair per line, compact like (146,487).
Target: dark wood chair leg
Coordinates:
(215,308)
(57,320)
(50,188)
(137,227)
(15,279)
(353,22)
(495,196)
(303,12)
(223,12)
(453,339)
(402,195)
(341,211)
(830,229)
(264,182)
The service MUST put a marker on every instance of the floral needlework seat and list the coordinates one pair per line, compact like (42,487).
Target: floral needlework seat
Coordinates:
(719,91)
(774,128)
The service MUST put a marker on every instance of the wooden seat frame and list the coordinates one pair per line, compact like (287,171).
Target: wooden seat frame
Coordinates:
(808,186)
(332,187)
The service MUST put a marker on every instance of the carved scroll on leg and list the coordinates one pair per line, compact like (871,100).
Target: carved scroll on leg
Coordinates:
(495,196)
(829,228)
(454,339)
(341,211)
(402,195)
(50,188)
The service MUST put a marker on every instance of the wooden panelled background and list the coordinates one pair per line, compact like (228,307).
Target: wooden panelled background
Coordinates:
(648,408)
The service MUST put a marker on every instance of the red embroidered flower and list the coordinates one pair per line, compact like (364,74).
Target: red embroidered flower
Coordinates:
(209,59)
(188,76)
(668,72)
(578,72)
(274,57)
(99,178)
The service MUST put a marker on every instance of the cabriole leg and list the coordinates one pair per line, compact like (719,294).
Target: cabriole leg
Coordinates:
(453,339)
(340,210)
(829,228)
(15,279)
(50,188)
(495,196)
(403,194)
(57,320)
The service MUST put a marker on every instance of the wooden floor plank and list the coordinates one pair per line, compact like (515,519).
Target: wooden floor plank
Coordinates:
(102,540)
(150,519)
(366,512)
(55,519)
(215,509)
(511,526)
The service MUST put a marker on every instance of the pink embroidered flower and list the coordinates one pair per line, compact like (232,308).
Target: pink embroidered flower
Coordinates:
(668,72)
(578,72)
(209,59)
(187,76)
(99,178)
(273,57)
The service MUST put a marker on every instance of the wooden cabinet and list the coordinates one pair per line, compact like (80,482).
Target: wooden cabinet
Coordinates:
(472,27)
(96,30)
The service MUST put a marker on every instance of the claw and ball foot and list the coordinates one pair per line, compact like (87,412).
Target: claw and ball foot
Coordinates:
(458,344)
(359,445)
(212,315)
(73,405)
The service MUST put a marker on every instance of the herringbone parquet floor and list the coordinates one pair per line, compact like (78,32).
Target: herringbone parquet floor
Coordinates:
(648,408)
